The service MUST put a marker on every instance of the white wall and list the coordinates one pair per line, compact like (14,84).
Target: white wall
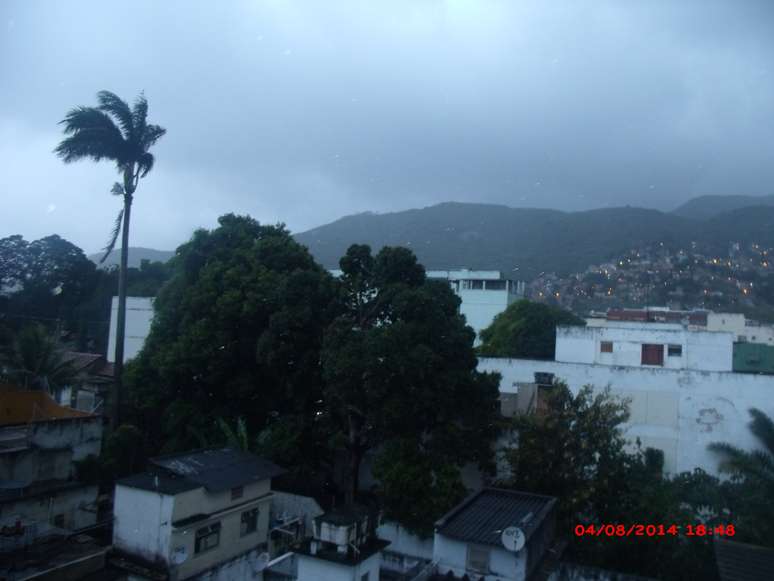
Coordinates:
(701,350)
(316,569)
(678,411)
(143,523)
(451,555)
(139,316)
(403,542)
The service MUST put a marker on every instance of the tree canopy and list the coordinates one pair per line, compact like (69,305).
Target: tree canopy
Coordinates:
(398,364)
(525,329)
(237,333)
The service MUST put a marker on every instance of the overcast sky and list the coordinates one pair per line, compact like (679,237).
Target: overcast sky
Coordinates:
(304,111)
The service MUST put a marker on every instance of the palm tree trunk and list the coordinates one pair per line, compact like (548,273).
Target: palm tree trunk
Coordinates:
(121,316)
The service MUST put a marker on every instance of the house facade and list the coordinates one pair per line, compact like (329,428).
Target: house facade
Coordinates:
(682,392)
(199,515)
(43,504)
(469,539)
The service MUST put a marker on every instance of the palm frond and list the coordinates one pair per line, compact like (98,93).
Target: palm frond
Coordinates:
(140,114)
(145,164)
(117,189)
(151,135)
(118,108)
(113,236)
(92,134)
(762,428)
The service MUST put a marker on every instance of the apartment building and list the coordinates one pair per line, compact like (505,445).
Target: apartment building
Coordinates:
(202,514)
(680,382)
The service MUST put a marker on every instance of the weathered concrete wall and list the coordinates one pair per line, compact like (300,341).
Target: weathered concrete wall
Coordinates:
(678,411)
(143,523)
(452,555)
(314,569)
(701,350)
(52,448)
(75,505)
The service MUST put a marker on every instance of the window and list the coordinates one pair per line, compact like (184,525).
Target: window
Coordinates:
(495,285)
(237,492)
(365,577)
(207,538)
(606,347)
(675,351)
(478,559)
(652,354)
(59,521)
(249,522)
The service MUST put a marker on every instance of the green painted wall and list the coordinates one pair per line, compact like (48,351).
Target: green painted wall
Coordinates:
(753,358)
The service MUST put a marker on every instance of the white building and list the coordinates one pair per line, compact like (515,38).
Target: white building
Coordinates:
(484,294)
(343,548)
(683,393)
(43,505)
(632,344)
(200,515)
(745,330)
(471,539)
(139,316)
(40,441)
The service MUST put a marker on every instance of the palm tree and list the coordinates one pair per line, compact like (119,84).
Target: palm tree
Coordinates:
(121,134)
(757,465)
(35,361)
(753,472)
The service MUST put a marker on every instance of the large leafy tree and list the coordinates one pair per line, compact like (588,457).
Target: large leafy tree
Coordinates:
(119,133)
(237,333)
(400,374)
(525,329)
(46,279)
(574,450)
(753,470)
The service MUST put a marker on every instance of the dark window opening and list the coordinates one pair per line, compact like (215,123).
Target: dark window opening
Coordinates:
(249,522)
(207,538)
(495,285)
(675,351)
(237,492)
(652,354)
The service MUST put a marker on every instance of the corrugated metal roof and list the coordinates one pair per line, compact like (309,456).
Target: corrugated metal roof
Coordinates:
(26,406)
(742,562)
(218,470)
(482,517)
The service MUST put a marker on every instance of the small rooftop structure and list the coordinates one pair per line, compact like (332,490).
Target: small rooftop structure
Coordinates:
(214,470)
(483,516)
(19,406)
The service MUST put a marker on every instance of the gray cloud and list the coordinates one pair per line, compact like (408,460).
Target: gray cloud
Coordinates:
(304,111)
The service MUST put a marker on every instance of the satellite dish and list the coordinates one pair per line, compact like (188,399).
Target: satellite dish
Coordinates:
(513,539)
(179,555)
(261,562)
